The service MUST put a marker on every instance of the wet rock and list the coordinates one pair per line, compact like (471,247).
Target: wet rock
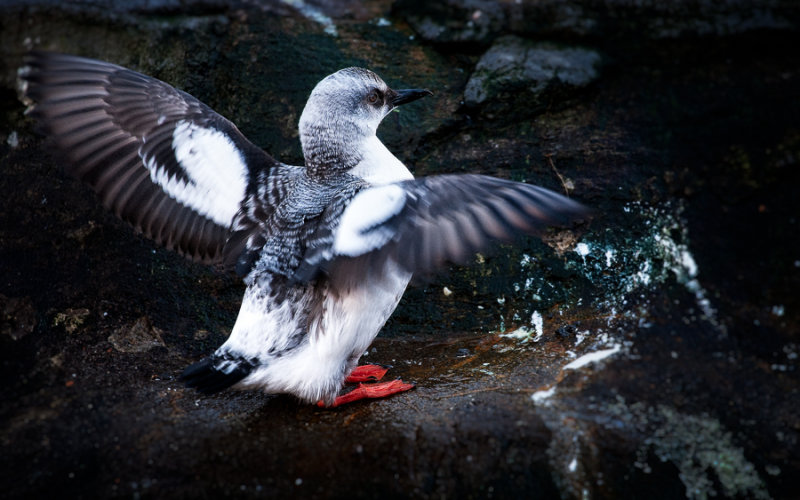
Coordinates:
(115,7)
(17,316)
(533,72)
(480,21)
(454,21)
(708,460)
(138,337)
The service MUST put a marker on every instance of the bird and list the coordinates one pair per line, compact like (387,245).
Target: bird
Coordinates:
(326,249)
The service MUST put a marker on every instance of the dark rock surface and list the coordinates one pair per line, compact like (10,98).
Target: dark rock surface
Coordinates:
(479,21)
(515,71)
(18,316)
(650,353)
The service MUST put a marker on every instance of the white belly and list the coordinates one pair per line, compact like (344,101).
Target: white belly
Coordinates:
(351,322)
(316,369)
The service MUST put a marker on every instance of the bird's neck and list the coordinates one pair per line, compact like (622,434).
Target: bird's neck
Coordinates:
(378,165)
(328,151)
(363,155)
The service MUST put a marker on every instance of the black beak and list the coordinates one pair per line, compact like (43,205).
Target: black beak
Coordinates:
(409,95)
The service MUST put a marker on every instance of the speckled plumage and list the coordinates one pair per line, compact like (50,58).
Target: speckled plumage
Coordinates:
(326,249)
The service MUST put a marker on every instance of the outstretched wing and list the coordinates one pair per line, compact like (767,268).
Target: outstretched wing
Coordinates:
(156,156)
(423,224)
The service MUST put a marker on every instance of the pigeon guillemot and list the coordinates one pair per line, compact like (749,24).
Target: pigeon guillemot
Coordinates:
(326,249)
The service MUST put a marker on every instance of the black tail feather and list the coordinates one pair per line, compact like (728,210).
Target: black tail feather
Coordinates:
(214,374)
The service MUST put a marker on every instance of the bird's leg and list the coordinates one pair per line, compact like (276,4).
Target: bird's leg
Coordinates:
(367,373)
(367,391)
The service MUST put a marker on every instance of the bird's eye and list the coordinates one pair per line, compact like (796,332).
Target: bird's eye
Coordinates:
(373,97)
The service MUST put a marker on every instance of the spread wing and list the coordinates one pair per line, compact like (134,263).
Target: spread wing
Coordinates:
(423,224)
(156,156)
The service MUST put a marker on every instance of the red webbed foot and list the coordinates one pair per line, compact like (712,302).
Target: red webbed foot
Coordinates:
(367,373)
(369,391)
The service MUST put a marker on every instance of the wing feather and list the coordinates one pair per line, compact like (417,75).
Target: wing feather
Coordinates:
(121,132)
(443,219)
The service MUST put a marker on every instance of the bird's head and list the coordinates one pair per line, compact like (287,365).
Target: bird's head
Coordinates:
(344,110)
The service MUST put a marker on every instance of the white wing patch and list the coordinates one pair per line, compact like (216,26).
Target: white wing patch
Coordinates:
(215,167)
(360,231)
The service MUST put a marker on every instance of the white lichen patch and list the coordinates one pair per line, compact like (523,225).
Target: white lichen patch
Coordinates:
(610,253)
(538,325)
(573,465)
(661,253)
(698,446)
(704,452)
(625,272)
(524,334)
(541,397)
(581,336)
(592,357)
(583,250)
